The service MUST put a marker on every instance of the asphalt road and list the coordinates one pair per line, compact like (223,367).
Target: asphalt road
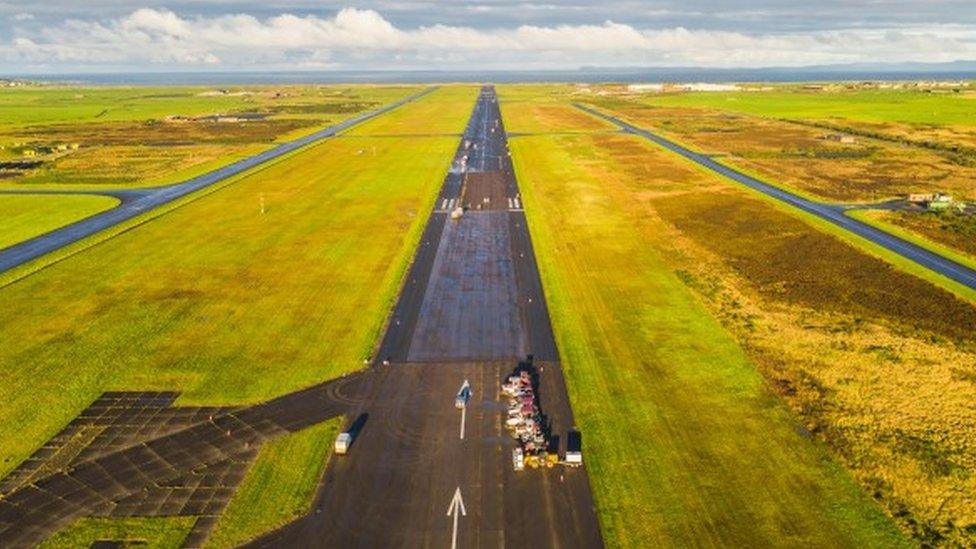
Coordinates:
(149,199)
(828,212)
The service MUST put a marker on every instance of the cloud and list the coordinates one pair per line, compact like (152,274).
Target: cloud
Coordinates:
(362,38)
(23,17)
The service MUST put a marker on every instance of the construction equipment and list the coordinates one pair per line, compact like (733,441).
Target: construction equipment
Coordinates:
(574,448)
(342,443)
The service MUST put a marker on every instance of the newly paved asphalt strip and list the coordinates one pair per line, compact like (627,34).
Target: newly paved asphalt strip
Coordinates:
(34,248)
(832,213)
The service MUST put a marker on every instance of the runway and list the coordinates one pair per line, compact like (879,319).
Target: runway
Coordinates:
(471,308)
(420,472)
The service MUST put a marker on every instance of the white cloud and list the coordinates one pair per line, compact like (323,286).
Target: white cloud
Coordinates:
(356,38)
(23,17)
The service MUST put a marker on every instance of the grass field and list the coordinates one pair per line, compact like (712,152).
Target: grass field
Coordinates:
(866,105)
(799,157)
(279,486)
(877,365)
(233,310)
(124,137)
(427,117)
(23,217)
(151,533)
(694,450)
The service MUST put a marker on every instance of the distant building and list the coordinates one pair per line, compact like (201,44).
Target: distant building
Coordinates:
(841,138)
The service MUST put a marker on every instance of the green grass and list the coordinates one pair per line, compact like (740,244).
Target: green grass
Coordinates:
(23,217)
(279,487)
(124,141)
(151,533)
(686,444)
(215,299)
(20,107)
(427,117)
(876,106)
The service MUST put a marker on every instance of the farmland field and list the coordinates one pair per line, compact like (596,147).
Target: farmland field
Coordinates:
(654,254)
(151,136)
(23,217)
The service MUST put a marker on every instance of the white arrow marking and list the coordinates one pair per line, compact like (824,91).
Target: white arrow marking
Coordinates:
(464,412)
(457,504)
(464,406)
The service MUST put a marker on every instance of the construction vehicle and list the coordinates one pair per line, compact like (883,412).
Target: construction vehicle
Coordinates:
(574,448)
(342,443)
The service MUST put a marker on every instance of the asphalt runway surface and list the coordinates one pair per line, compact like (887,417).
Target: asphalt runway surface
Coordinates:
(832,213)
(472,304)
(420,471)
(138,202)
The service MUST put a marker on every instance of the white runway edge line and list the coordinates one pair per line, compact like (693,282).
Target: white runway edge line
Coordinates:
(26,251)
(834,214)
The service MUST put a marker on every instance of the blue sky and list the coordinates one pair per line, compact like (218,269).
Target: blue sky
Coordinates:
(123,35)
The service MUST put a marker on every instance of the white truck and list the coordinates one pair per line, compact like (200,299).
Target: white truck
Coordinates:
(342,443)
(574,448)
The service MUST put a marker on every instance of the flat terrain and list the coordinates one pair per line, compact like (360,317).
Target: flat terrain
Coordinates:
(874,378)
(151,136)
(23,217)
(957,231)
(742,375)
(247,292)
(688,446)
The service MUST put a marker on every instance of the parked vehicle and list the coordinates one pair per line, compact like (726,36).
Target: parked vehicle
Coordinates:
(574,448)
(342,443)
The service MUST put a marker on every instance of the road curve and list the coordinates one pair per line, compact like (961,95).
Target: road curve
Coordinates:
(834,214)
(39,246)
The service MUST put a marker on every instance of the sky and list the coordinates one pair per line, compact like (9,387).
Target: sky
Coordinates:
(53,36)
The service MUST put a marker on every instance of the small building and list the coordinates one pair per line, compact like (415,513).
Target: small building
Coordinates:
(920,198)
(841,138)
(30,153)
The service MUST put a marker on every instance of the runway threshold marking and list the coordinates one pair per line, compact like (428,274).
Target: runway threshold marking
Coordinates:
(456,508)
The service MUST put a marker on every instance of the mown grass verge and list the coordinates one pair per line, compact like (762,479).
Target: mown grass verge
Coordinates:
(279,486)
(151,533)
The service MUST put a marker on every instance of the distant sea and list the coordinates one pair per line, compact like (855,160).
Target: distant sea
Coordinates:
(625,75)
